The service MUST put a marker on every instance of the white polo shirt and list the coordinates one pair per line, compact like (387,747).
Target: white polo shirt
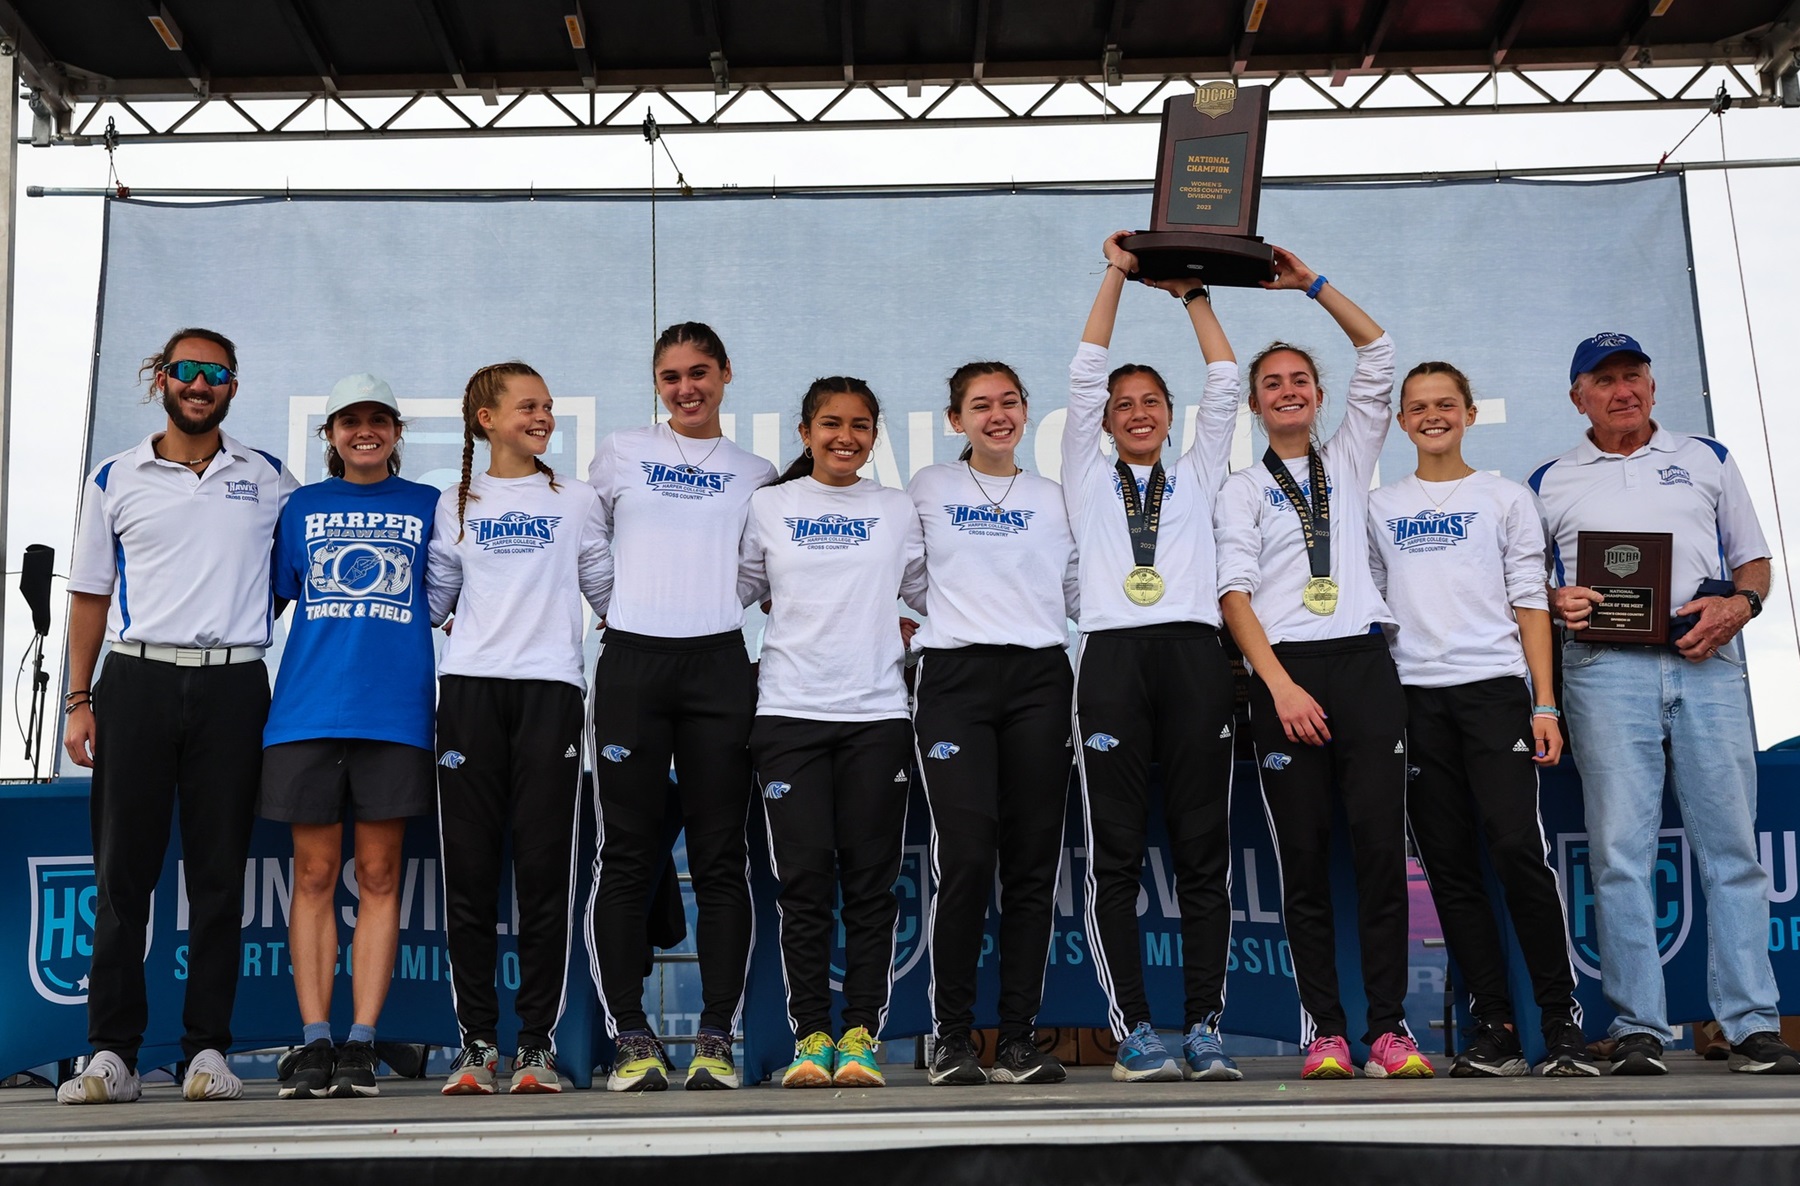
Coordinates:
(1685,485)
(184,557)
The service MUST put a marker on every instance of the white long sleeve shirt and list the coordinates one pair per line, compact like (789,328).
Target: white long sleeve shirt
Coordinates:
(1262,551)
(673,526)
(1184,542)
(1001,577)
(516,578)
(1452,559)
(832,559)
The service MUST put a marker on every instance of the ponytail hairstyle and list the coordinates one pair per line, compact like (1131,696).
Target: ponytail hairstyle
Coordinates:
(959,390)
(1311,364)
(153,365)
(1442,368)
(802,466)
(483,391)
(697,334)
(334,463)
(1149,372)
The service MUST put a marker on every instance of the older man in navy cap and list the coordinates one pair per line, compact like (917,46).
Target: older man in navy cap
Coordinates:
(1627,702)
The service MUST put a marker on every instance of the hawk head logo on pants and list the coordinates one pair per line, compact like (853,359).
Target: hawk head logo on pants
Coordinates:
(1101,742)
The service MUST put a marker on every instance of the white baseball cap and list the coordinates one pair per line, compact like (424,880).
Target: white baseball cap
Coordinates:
(361,388)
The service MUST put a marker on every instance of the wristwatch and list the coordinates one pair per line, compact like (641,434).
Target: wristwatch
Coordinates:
(1197,293)
(1754,598)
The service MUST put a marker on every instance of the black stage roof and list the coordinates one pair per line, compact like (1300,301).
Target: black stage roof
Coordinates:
(86,51)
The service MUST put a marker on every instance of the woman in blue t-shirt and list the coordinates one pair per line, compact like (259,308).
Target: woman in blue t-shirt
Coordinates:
(350,727)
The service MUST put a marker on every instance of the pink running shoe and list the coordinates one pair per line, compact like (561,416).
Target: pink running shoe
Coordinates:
(1328,1058)
(1396,1056)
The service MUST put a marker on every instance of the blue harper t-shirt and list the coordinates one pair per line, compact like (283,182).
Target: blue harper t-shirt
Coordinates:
(359,661)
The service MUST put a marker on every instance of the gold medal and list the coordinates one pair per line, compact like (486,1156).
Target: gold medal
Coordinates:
(1144,585)
(1320,596)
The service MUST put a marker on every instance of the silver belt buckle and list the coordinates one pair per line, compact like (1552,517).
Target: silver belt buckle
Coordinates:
(190,656)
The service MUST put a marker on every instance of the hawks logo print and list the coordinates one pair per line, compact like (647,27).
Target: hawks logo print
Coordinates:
(1277,499)
(683,481)
(1431,531)
(1671,883)
(987,520)
(63,898)
(830,532)
(944,749)
(514,532)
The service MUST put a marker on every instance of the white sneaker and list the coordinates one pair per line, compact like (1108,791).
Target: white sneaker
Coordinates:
(208,1078)
(105,1080)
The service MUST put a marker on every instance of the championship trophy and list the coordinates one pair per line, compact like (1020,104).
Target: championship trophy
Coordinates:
(1208,178)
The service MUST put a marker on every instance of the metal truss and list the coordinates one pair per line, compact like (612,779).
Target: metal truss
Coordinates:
(868,105)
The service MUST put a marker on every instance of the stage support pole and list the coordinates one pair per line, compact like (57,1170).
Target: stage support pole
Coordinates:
(9,207)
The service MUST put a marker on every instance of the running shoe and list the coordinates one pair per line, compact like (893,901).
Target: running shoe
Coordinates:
(1639,1054)
(814,1060)
(1018,1060)
(1143,1058)
(1764,1053)
(639,1063)
(473,1071)
(354,1077)
(1395,1056)
(1495,1053)
(1328,1058)
(1565,1052)
(711,1067)
(208,1078)
(104,1080)
(954,1064)
(305,1073)
(534,1072)
(1204,1053)
(856,1061)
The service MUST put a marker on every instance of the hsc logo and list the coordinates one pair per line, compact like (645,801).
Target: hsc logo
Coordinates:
(1671,885)
(913,889)
(63,901)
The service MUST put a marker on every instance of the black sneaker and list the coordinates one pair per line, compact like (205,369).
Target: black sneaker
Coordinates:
(1638,1054)
(1764,1053)
(305,1073)
(1494,1053)
(1020,1061)
(953,1063)
(1565,1052)
(355,1074)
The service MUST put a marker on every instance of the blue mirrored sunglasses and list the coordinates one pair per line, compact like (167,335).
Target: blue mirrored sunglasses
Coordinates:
(186,370)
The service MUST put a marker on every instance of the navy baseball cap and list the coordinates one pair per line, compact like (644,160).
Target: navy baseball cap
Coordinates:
(1597,349)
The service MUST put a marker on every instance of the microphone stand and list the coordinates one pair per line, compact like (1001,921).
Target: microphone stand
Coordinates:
(40,687)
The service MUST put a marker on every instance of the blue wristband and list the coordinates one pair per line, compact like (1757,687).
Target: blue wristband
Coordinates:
(1544,710)
(1312,294)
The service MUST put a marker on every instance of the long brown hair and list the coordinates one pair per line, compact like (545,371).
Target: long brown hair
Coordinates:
(802,466)
(334,462)
(483,391)
(967,373)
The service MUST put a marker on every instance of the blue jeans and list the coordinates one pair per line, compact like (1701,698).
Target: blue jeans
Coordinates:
(1623,705)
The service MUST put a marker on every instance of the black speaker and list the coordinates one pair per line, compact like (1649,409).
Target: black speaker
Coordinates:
(34,583)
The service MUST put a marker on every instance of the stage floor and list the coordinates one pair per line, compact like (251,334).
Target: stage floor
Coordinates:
(1697,1105)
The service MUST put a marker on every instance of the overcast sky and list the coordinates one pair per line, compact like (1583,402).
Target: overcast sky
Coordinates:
(59,247)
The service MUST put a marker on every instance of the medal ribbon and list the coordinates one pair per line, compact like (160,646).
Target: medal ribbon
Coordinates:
(1315,521)
(1142,520)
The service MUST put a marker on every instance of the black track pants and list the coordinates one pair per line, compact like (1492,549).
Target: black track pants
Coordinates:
(690,700)
(163,732)
(1473,747)
(1354,683)
(1156,694)
(509,754)
(835,794)
(992,732)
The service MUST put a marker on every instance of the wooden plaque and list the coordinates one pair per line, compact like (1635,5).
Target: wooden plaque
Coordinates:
(1632,570)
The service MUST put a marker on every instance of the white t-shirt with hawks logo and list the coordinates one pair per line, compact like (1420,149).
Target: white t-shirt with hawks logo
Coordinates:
(674,512)
(1452,559)
(184,556)
(516,578)
(832,559)
(1261,549)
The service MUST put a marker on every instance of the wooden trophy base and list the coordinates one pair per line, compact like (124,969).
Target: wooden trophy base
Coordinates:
(1213,259)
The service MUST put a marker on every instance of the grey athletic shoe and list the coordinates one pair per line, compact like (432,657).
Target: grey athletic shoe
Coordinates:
(105,1080)
(534,1072)
(208,1078)
(473,1071)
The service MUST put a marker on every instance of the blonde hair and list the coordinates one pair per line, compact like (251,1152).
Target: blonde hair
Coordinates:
(483,391)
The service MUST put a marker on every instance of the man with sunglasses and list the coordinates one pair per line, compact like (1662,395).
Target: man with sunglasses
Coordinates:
(172,568)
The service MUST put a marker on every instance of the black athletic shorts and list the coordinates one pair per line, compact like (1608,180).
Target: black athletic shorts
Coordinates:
(324,780)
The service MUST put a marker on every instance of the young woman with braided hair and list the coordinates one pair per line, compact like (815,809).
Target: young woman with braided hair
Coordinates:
(513,552)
